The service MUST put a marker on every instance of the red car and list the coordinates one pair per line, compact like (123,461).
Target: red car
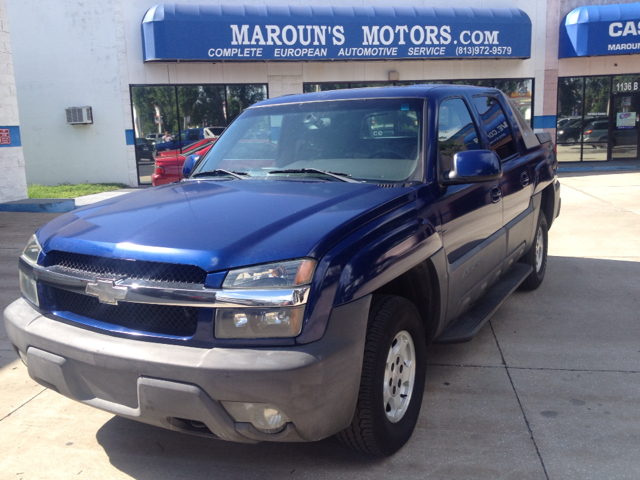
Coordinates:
(194,147)
(168,167)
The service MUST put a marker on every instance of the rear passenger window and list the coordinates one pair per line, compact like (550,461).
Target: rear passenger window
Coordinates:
(456,131)
(495,123)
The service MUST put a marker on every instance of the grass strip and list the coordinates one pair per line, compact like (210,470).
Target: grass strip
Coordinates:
(71,191)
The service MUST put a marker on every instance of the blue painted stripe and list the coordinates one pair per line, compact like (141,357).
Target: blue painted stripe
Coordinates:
(40,205)
(611,168)
(130,137)
(544,121)
(14,135)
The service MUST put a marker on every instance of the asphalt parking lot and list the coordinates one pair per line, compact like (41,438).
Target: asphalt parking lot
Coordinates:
(550,388)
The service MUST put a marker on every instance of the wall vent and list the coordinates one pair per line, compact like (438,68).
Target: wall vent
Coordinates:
(79,115)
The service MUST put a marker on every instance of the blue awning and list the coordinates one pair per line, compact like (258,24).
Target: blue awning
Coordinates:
(173,32)
(600,30)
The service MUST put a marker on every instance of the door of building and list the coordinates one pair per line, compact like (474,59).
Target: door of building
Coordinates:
(624,126)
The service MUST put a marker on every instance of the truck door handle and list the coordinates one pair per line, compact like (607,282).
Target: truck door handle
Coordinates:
(496,194)
(524,179)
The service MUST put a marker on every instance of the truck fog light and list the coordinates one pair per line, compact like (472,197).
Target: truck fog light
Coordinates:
(29,288)
(264,416)
(259,322)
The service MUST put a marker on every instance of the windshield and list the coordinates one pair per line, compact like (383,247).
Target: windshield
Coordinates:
(373,140)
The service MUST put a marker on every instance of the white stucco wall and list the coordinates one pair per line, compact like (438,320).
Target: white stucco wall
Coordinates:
(66,55)
(13,184)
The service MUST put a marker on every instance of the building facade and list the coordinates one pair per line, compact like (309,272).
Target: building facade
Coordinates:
(145,68)
(13,184)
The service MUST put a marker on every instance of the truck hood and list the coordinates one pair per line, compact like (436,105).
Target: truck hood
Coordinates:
(218,225)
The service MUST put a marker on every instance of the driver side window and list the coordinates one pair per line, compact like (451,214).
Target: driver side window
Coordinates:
(456,131)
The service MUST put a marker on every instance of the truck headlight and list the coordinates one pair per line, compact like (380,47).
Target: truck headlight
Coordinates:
(280,322)
(290,273)
(267,322)
(28,285)
(32,251)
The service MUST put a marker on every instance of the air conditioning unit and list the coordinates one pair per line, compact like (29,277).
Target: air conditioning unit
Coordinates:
(79,115)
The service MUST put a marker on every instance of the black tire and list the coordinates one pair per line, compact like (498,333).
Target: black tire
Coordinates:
(534,280)
(371,431)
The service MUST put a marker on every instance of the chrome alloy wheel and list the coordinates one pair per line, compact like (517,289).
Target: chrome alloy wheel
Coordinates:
(399,376)
(539,249)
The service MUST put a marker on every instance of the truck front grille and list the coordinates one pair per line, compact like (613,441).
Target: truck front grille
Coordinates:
(133,269)
(162,319)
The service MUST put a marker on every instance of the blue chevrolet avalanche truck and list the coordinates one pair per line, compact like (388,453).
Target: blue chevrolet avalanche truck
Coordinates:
(287,289)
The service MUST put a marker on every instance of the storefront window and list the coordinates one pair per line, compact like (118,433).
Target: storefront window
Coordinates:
(595,134)
(168,118)
(155,113)
(520,91)
(201,106)
(240,97)
(521,94)
(598,118)
(626,113)
(323,87)
(569,121)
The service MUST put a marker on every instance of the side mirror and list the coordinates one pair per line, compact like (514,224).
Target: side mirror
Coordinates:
(189,163)
(473,166)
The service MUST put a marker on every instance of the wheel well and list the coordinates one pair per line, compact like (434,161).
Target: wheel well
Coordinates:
(420,286)
(547,204)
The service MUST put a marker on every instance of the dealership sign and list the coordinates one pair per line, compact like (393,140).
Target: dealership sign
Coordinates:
(259,32)
(600,30)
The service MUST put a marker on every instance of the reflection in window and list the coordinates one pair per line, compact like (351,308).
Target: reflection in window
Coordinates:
(201,106)
(520,92)
(496,126)
(189,114)
(154,111)
(456,131)
(582,124)
(323,87)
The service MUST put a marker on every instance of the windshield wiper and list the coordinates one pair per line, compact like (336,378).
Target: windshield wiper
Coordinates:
(219,172)
(343,177)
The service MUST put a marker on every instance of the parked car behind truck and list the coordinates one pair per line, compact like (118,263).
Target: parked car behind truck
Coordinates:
(290,295)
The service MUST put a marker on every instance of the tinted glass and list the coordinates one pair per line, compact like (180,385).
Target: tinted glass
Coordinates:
(495,123)
(372,140)
(456,131)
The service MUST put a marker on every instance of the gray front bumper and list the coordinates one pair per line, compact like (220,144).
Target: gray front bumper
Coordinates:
(315,385)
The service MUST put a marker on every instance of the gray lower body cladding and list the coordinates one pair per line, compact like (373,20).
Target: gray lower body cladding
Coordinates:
(315,385)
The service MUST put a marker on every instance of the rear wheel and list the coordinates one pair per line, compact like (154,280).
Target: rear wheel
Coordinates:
(392,380)
(537,256)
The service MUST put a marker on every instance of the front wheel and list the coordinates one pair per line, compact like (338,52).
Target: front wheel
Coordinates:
(537,256)
(392,380)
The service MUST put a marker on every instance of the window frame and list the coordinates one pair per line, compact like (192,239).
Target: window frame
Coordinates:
(465,100)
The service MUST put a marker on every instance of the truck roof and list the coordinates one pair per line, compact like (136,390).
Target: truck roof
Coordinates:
(416,91)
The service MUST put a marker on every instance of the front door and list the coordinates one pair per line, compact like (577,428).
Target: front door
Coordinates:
(626,119)
(471,214)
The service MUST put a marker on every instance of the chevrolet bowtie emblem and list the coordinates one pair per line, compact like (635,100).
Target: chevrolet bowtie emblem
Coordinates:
(106,291)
